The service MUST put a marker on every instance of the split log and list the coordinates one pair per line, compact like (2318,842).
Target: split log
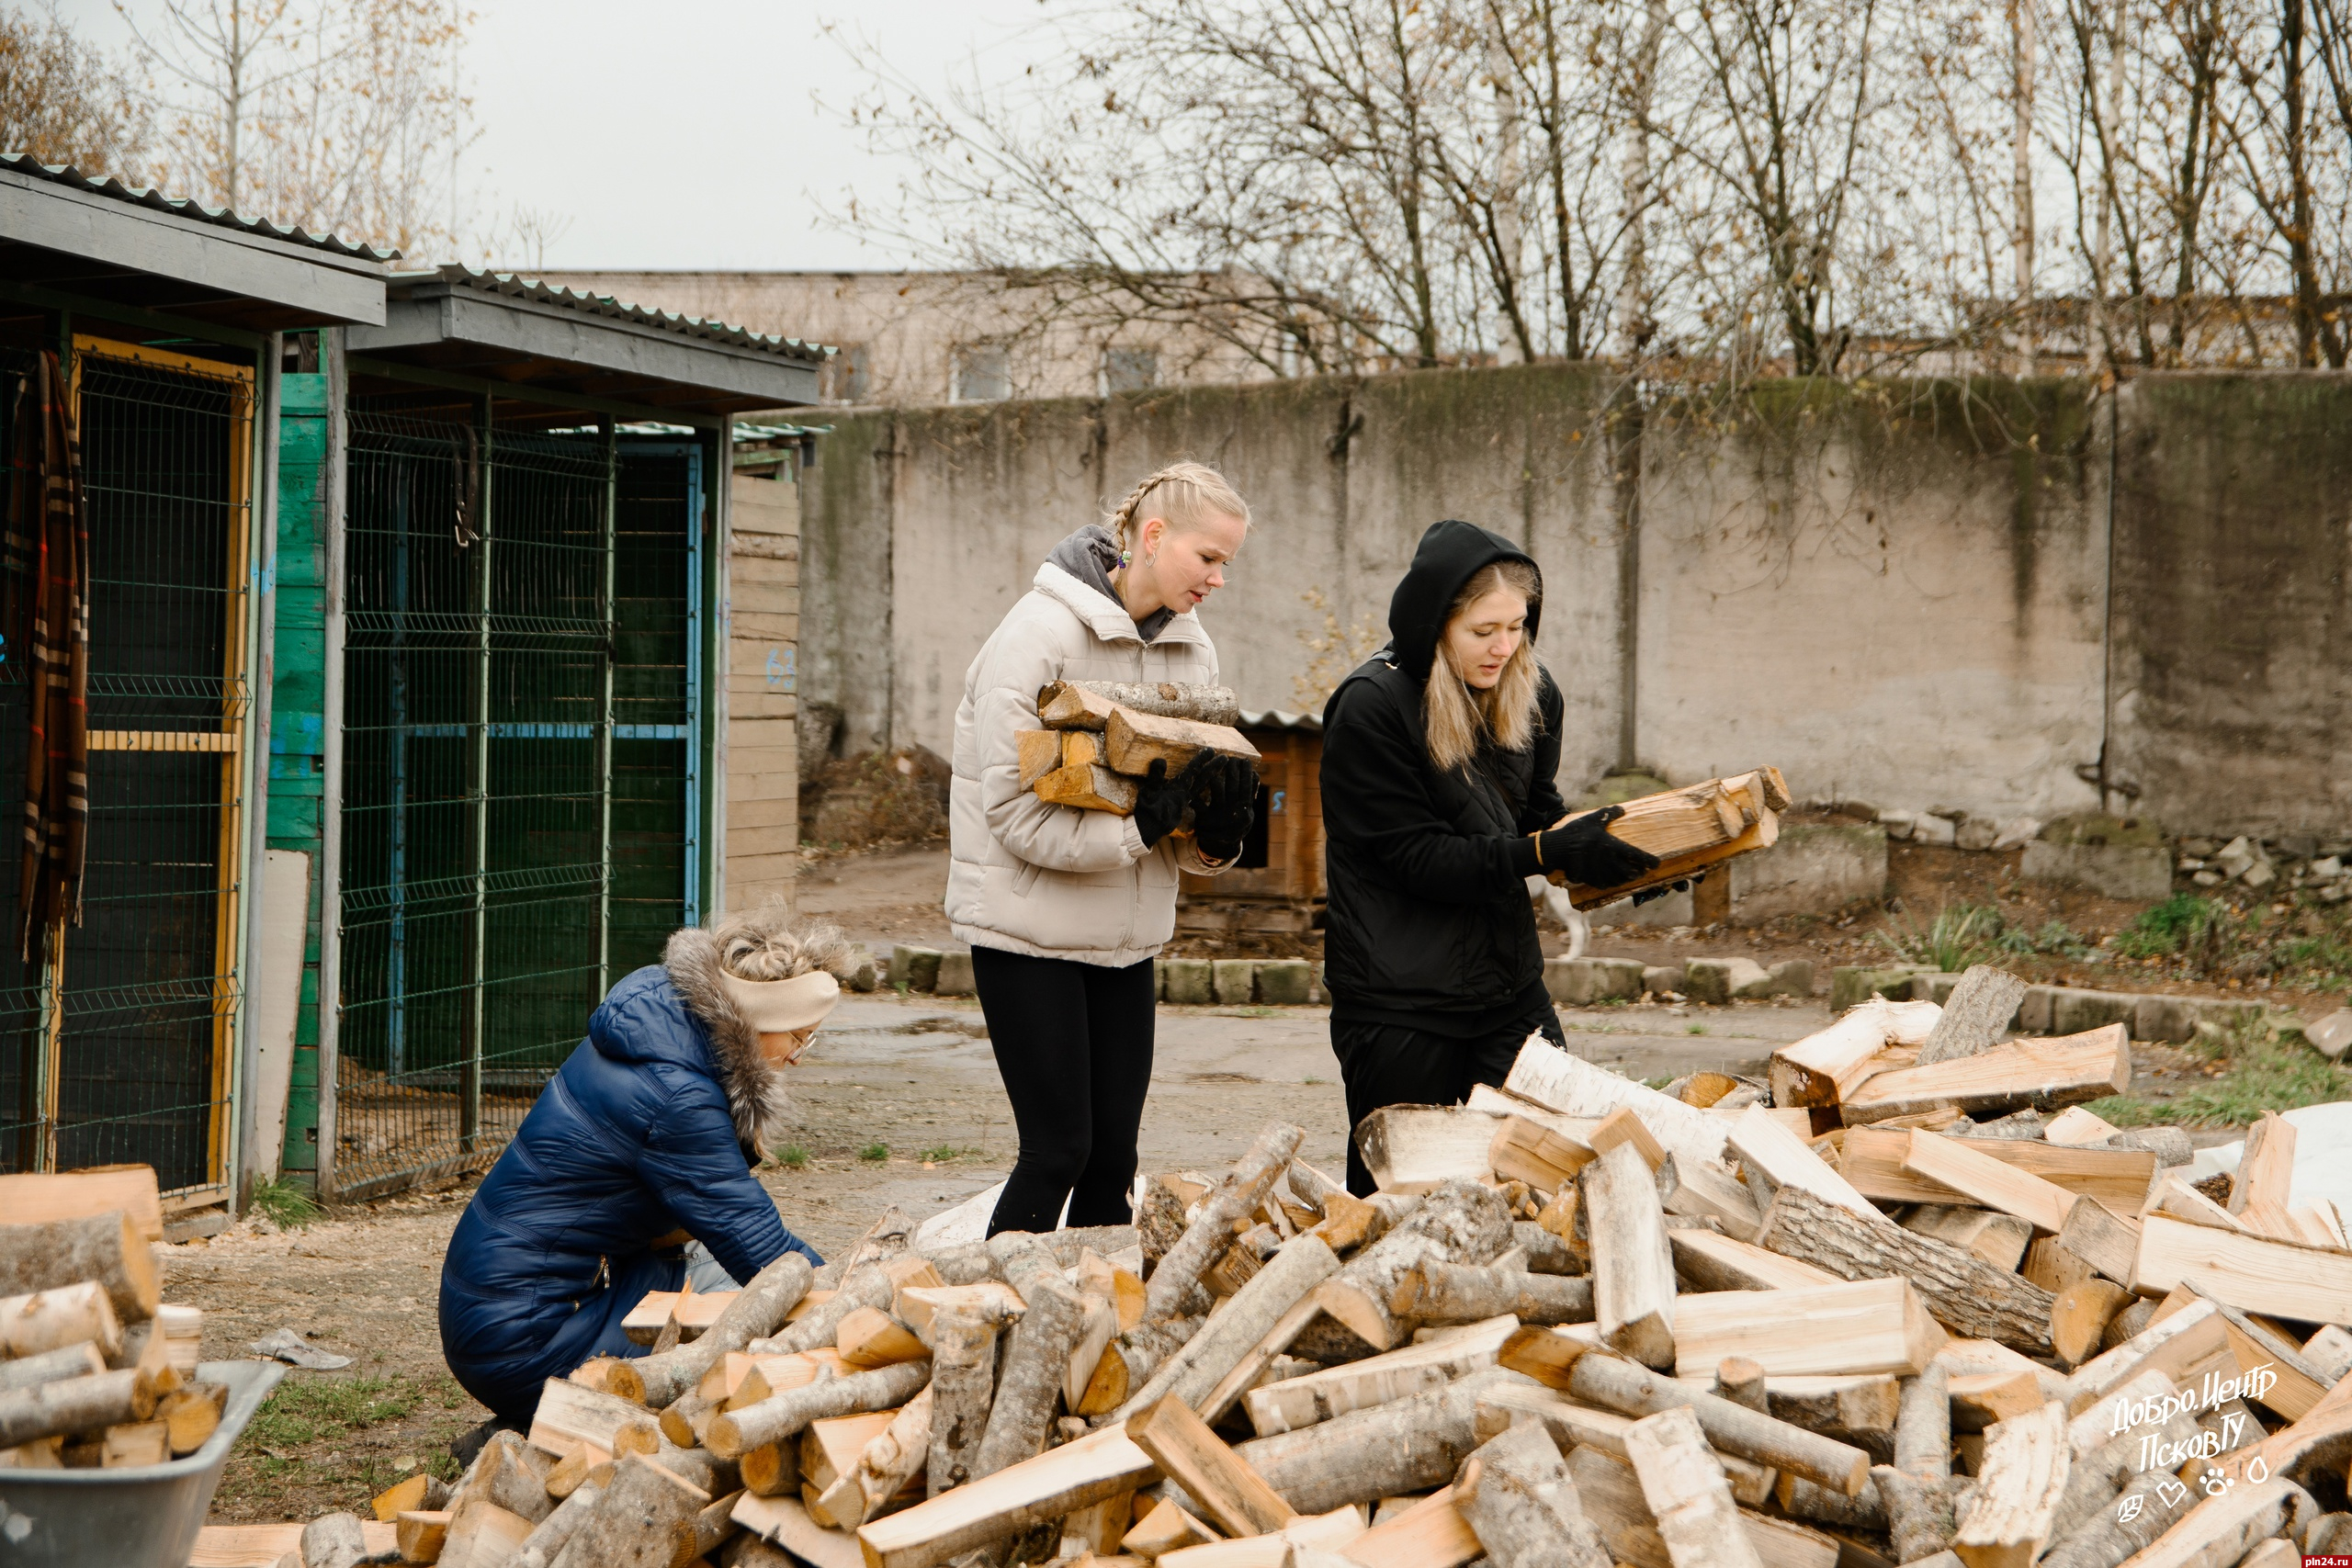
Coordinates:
(31,1199)
(733,1434)
(1960,1290)
(67,1361)
(884,1468)
(1868,1326)
(81,1404)
(655,1382)
(1612,1499)
(1826,1065)
(1244,1327)
(1430,1533)
(1692,828)
(1956,1163)
(1049,1487)
(1168,1528)
(917,1306)
(1319,1396)
(1632,1268)
(1741,1381)
(1976,1015)
(106,1248)
(1765,1146)
(1036,1354)
(1571,1086)
(2150,1504)
(481,1534)
(1982,1400)
(1801,1499)
(1407,1445)
(1524,1149)
(1088,704)
(334,1540)
(2018,1487)
(1459,1221)
(963,1385)
(57,1319)
(869,1338)
(570,1473)
(421,1534)
(570,1414)
(1611,1384)
(1099,1325)
(510,1473)
(1256,1364)
(1130,1360)
(2043,1074)
(419,1492)
(1089,787)
(2282,1279)
(2266,1172)
(645,1518)
(1835,1405)
(1133,741)
(2079,1315)
(1039,752)
(1998,1239)
(1411,1148)
(1517,1496)
(1702,1189)
(2218,1532)
(1705,1261)
(2175,1346)
(2100,1239)
(1547,1251)
(1437,1293)
(2095,1479)
(1211,1230)
(1687,1493)
(1232,1495)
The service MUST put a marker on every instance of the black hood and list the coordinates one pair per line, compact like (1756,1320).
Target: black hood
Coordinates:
(1449,555)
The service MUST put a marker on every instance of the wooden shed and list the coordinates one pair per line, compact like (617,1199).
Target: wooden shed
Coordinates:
(1278,886)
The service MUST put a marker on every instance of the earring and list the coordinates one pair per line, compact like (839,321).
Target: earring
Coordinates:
(1127,558)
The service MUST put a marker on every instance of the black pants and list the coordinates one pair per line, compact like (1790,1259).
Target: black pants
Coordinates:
(1073,1045)
(1389,1064)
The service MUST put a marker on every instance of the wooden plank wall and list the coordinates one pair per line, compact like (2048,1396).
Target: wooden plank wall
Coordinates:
(762,657)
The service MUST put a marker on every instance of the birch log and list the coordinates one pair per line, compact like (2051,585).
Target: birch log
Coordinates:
(1632,1267)
(1459,1221)
(107,1247)
(1523,1507)
(656,1381)
(80,1404)
(1211,1230)
(883,1466)
(57,1319)
(1238,1328)
(734,1433)
(866,1286)
(1407,1445)
(69,1361)
(1036,1354)
(1960,1290)
(1687,1492)
(1130,1360)
(644,1518)
(962,1384)
(1086,705)
(1436,1293)
(552,1534)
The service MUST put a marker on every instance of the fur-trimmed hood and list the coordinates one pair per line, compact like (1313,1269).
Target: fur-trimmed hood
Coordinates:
(755,1091)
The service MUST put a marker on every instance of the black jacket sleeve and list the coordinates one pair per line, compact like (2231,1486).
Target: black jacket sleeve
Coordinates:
(1545,805)
(1375,801)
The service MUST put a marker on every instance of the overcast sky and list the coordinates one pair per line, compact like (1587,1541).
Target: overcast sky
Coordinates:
(685,134)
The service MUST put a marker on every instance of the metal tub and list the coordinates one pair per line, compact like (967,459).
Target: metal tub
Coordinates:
(128,1519)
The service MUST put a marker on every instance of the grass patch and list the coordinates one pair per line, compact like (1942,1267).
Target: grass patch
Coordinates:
(945,1154)
(1696,1029)
(874,1154)
(286,1205)
(1960,935)
(306,1410)
(792,1156)
(2261,1075)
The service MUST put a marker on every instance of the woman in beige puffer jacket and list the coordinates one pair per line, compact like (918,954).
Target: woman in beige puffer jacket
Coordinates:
(1065,910)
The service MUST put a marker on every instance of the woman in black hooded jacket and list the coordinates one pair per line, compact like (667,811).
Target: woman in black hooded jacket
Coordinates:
(1439,797)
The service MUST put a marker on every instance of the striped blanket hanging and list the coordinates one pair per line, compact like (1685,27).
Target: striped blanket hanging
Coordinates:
(46,622)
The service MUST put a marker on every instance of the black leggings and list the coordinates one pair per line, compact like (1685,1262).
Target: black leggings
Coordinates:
(1389,1064)
(1073,1045)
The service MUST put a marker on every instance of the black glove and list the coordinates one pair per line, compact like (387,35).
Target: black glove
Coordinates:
(1661,891)
(1227,807)
(1160,800)
(1590,854)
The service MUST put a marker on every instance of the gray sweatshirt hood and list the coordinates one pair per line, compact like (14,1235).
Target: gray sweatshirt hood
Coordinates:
(1090,555)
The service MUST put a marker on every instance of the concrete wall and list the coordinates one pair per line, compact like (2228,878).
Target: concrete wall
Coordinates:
(1898,595)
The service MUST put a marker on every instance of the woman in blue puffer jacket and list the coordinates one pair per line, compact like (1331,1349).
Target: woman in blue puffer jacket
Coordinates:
(645,1137)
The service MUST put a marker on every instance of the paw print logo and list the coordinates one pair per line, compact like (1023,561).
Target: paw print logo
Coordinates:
(2214,1482)
(2170,1493)
(2130,1509)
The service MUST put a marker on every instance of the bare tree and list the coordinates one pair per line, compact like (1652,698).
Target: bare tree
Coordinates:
(64,101)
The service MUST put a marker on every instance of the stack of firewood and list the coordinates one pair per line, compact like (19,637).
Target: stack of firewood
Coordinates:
(1101,736)
(95,1370)
(1583,1323)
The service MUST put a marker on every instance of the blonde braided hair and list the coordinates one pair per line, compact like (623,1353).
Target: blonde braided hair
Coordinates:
(1195,493)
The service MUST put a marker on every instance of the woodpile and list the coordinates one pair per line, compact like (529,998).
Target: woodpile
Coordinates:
(1587,1323)
(95,1370)
(1100,737)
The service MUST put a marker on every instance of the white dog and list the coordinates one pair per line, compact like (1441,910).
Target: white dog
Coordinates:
(1543,896)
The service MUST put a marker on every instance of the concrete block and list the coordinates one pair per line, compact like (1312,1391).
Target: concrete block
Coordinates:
(2074,1010)
(1318,996)
(1929,828)
(1813,869)
(1159,979)
(2014,832)
(1976,833)
(916,968)
(1581,982)
(868,972)
(2033,1012)
(2164,1018)
(1662,979)
(1852,984)
(2333,1034)
(2226,1015)
(1718,980)
(955,977)
(1190,983)
(2113,871)
(1936,987)
(1284,982)
(1235,980)
(1792,979)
